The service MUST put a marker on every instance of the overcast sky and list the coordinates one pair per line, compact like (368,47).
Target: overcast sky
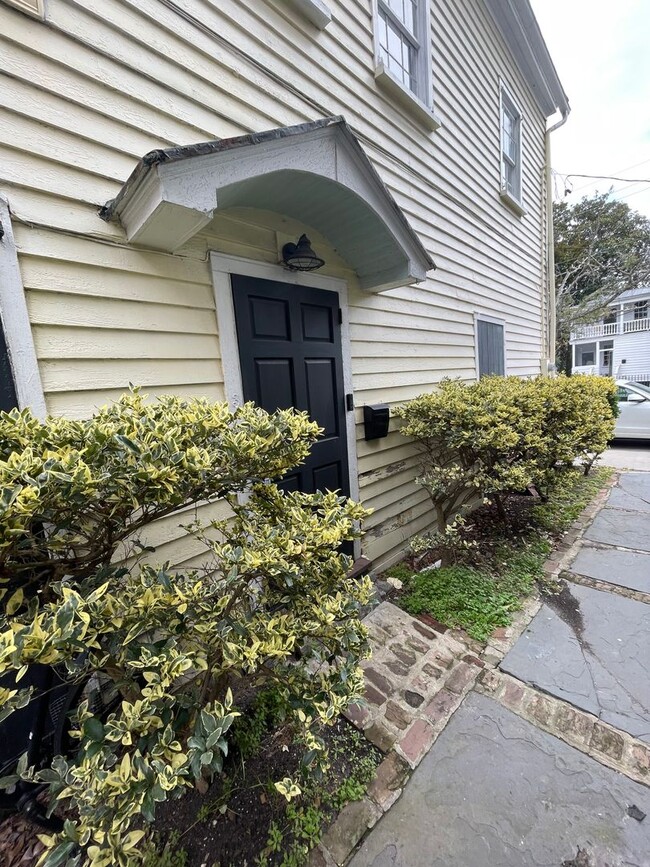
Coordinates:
(601,50)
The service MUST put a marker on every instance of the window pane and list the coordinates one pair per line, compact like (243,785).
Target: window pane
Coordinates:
(404,11)
(396,52)
(510,147)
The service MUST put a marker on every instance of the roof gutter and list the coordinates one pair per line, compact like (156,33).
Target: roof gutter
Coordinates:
(550,245)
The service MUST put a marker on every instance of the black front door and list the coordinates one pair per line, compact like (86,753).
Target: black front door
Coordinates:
(290,351)
(8,398)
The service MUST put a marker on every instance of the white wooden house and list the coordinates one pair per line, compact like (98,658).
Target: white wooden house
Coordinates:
(618,344)
(157,155)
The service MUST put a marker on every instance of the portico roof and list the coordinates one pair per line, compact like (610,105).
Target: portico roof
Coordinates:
(316,173)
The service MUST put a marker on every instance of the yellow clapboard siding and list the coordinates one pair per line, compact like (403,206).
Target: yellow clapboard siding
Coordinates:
(81,279)
(82,404)
(61,246)
(61,341)
(95,373)
(92,312)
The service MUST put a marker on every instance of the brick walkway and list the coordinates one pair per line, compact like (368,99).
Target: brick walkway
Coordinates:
(419,675)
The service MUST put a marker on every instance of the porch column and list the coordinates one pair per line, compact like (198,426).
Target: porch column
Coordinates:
(597,358)
(573,356)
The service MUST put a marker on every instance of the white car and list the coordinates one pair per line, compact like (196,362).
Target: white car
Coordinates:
(633,421)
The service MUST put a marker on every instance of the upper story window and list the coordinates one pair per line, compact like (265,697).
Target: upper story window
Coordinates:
(511,122)
(403,55)
(398,43)
(640,309)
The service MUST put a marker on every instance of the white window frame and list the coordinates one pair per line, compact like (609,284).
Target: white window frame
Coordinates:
(16,324)
(507,101)
(640,310)
(35,8)
(419,103)
(494,320)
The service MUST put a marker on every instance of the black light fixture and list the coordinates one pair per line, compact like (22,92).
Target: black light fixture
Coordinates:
(300,256)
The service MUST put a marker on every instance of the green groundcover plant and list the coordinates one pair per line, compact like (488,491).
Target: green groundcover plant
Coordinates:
(275,605)
(481,590)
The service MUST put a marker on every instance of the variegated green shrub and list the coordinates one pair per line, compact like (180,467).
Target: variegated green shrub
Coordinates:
(274,606)
(488,439)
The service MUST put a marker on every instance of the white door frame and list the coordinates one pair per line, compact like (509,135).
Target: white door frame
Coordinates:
(16,325)
(223,266)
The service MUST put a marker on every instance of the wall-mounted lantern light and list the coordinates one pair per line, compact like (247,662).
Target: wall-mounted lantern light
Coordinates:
(300,256)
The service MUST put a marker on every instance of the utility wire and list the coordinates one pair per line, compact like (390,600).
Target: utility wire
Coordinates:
(608,178)
(623,169)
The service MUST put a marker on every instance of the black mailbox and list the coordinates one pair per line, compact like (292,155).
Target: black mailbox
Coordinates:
(375,420)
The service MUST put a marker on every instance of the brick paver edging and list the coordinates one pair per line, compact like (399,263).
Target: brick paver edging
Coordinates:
(579,729)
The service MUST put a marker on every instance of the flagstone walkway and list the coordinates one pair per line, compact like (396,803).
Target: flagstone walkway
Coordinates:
(539,758)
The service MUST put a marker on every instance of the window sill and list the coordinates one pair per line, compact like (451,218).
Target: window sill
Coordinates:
(315,11)
(35,8)
(404,97)
(512,203)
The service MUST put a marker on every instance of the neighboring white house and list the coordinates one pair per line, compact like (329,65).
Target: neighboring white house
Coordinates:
(157,155)
(619,344)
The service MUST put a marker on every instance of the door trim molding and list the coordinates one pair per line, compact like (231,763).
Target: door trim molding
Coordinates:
(222,266)
(16,324)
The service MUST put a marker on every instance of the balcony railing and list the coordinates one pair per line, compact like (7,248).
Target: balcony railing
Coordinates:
(607,329)
(603,370)
(635,325)
(635,377)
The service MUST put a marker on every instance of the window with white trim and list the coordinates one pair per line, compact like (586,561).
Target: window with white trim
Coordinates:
(403,53)
(640,309)
(490,347)
(510,147)
(397,24)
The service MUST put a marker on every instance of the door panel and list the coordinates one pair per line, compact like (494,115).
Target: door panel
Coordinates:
(321,394)
(275,383)
(290,352)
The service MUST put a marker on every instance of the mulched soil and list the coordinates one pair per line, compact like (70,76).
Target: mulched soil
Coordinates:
(235,837)
(232,835)
(484,525)
(19,846)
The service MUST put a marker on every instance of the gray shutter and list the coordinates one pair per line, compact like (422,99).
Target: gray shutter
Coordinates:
(490,348)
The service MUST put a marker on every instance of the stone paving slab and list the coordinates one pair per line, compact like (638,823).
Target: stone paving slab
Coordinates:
(623,568)
(631,492)
(620,527)
(495,791)
(592,649)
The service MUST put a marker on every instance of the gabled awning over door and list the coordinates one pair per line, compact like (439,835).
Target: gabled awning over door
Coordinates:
(316,173)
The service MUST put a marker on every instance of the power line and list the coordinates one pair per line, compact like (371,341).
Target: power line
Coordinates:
(608,178)
(623,169)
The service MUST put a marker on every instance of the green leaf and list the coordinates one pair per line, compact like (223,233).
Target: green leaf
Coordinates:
(127,443)
(15,601)
(6,782)
(59,855)
(22,764)
(94,730)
